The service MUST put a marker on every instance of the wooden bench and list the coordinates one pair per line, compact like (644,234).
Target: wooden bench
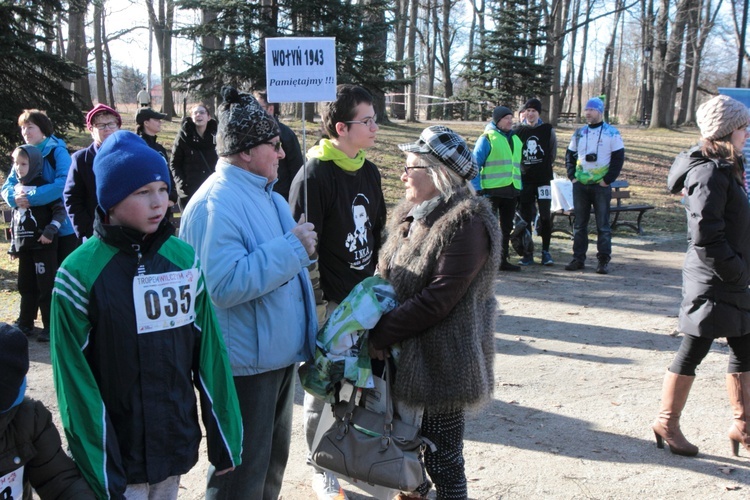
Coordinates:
(616,209)
(567,117)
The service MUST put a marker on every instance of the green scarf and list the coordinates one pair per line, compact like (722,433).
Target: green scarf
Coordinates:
(326,151)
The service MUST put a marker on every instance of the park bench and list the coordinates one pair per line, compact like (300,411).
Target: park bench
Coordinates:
(567,117)
(616,210)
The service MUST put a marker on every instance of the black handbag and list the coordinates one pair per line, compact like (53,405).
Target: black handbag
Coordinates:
(379,449)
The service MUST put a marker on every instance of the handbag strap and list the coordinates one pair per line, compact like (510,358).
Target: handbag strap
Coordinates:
(387,417)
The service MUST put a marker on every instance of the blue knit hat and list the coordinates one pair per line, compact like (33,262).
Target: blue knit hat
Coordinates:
(595,103)
(123,164)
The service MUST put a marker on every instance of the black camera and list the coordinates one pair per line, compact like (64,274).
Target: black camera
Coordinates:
(591,157)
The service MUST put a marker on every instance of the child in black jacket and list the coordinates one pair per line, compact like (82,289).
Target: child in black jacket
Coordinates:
(31,454)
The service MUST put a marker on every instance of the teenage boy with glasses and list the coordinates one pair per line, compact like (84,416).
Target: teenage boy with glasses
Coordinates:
(345,204)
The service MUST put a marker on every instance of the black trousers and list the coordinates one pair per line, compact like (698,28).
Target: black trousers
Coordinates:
(505,209)
(694,349)
(528,203)
(36,277)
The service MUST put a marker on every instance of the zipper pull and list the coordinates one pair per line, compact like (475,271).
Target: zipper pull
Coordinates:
(141,267)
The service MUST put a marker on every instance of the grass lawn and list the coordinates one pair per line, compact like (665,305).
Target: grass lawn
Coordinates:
(648,156)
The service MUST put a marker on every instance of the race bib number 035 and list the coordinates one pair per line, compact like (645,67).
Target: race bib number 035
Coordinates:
(164,301)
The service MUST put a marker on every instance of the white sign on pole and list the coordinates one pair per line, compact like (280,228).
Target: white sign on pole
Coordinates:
(301,69)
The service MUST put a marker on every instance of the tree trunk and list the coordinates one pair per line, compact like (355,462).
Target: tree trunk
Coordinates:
(615,108)
(557,22)
(77,52)
(377,47)
(584,44)
(570,74)
(429,47)
(445,66)
(108,59)
(101,88)
(667,65)
(398,108)
(411,101)
(48,14)
(692,33)
(150,68)
(163,34)
(209,43)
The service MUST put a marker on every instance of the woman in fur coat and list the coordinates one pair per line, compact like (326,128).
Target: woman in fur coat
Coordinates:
(441,256)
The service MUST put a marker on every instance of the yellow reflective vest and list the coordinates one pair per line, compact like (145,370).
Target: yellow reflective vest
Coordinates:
(503,166)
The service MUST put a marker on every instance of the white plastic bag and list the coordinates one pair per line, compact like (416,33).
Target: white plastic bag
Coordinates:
(562,195)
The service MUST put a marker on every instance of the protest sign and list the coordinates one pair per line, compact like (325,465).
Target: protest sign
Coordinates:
(301,69)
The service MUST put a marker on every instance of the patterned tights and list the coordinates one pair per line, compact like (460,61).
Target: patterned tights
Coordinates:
(445,465)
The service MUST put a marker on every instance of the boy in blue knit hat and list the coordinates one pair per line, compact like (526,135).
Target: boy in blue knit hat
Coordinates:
(134,334)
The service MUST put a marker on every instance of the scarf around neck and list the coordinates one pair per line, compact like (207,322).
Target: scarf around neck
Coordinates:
(326,151)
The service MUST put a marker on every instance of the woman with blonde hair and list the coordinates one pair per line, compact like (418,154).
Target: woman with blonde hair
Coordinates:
(441,256)
(716,272)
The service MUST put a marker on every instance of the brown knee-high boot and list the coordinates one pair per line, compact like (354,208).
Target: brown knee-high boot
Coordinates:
(738,387)
(666,427)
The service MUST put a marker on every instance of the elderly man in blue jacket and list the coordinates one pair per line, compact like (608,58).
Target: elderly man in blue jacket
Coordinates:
(255,258)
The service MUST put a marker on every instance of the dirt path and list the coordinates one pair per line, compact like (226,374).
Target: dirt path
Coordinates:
(580,358)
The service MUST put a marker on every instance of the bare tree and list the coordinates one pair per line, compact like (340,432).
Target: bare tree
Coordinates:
(609,56)
(584,44)
(570,74)
(706,21)
(556,19)
(399,38)
(411,101)
(101,88)
(77,51)
(163,24)
(667,61)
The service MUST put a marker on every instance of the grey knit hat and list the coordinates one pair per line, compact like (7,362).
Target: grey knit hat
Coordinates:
(243,123)
(721,116)
(500,112)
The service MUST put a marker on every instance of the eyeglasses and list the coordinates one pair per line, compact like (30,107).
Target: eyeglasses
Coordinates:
(276,145)
(408,169)
(369,122)
(105,126)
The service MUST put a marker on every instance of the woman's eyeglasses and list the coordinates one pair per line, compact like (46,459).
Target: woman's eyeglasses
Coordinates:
(408,169)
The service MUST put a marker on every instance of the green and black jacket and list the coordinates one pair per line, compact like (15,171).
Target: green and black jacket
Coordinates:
(127,400)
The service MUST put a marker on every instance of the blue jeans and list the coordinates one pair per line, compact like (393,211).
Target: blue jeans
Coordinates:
(266,404)
(584,197)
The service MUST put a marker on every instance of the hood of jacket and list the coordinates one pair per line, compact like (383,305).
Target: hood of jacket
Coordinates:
(189,134)
(684,163)
(36,163)
(52,143)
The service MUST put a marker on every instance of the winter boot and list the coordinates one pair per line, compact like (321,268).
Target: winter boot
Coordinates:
(666,427)
(738,387)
